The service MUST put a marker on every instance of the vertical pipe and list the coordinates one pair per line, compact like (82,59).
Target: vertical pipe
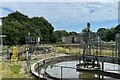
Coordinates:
(79,44)
(84,52)
(93,49)
(88,41)
(112,51)
(99,76)
(97,51)
(61,73)
(79,48)
(100,48)
(38,71)
(1,42)
(102,65)
(119,49)
(116,49)
(102,77)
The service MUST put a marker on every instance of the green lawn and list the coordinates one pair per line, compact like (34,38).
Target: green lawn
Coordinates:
(15,68)
(10,70)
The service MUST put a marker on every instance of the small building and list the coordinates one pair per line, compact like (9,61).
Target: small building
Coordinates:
(78,39)
(72,39)
(67,39)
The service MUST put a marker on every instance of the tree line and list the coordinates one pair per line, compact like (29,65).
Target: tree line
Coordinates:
(16,27)
(108,34)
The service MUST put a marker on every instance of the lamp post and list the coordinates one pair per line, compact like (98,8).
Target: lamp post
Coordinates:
(1,36)
(88,41)
(1,42)
(97,49)
(27,38)
(86,48)
(0,33)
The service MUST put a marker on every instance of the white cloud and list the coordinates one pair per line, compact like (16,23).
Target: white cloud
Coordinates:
(103,1)
(94,11)
(65,13)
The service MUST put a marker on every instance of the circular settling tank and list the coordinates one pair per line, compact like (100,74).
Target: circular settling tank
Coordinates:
(68,70)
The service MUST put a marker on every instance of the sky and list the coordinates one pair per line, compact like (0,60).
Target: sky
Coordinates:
(69,15)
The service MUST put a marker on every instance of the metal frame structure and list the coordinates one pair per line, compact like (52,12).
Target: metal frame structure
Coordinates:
(30,41)
(91,44)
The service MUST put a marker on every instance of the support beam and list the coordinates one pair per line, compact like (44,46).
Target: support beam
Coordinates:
(61,73)
(119,50)
(118,46)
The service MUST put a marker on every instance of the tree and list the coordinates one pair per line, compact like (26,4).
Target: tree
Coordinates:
(110,34)
(117,29)
(60,34)
(106,34)
(101,31)
(73,33)
(17,25)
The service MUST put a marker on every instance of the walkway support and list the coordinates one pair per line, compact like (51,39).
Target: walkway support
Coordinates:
(119,49)
(118,46)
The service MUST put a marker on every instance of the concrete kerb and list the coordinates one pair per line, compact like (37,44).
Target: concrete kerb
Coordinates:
(34,66)
(33,69)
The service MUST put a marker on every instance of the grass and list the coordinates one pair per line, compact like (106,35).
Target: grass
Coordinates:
(10,70)
(60,50)
(104,53)
(15,68)
(72,50)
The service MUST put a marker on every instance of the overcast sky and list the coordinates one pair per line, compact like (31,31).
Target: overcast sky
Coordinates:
(70,15)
